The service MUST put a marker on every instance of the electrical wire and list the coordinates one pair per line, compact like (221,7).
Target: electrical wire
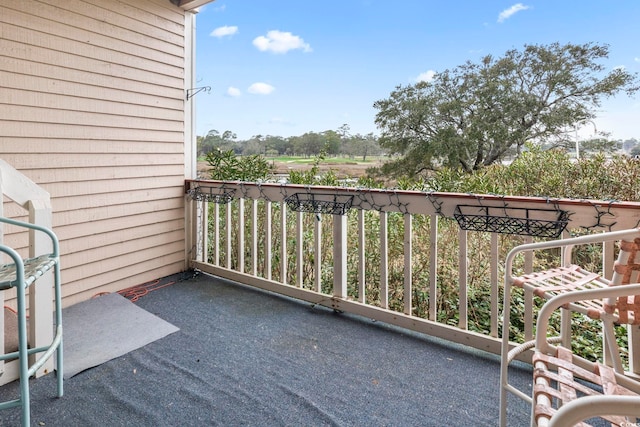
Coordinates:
(135,292)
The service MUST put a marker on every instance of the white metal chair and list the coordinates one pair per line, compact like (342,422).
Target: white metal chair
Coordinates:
(20,274)
(568,389)
(571,279)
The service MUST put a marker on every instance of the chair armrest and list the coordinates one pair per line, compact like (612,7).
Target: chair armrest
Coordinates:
(558,301)
(587,407)
(47,231)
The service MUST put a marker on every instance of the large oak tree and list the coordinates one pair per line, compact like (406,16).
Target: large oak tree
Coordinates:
(474,114)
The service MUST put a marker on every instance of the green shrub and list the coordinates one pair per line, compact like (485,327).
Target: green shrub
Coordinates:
(548,173)
(227,166)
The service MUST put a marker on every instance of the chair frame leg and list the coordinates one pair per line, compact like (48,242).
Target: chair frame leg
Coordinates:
(23,355)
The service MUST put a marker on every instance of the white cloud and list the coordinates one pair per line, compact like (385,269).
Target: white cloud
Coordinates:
(224,31)
(280,42)
(260,88)
(233,92)
(637,59)
(508,13)
(427,76)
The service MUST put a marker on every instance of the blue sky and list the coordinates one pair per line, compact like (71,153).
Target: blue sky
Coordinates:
(286,67)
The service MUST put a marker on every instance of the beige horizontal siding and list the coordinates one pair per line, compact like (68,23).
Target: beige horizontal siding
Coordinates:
(153,90)
(170,230)
(97,201)
(55,36)
(92,104)
(108,108)
(101,36)
(49,114)
(128,254)
(25,145)
(87,188)
(109,231)
(123,227)
(115,280)
(54,131)
(101,173)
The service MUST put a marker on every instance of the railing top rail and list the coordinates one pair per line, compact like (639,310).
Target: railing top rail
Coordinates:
(588,214)
(191,183)
(19,188)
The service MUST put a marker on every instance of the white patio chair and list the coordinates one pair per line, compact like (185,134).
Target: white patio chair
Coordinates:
(569,279)
(568,389)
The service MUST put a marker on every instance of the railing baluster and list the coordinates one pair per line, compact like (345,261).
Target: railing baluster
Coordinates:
(463,268)
(241,231)
(634,349)
(268,241)
(495,284)
(433,267)
(340,256)
(216,234)
(204,232)
(299,248)
(283,243)
(228,228)
(384,261)
(254,237)
(317,254)
(408,264)
(528,295)
(361,258)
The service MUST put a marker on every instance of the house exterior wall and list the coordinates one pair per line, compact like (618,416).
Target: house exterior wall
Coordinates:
(93,109)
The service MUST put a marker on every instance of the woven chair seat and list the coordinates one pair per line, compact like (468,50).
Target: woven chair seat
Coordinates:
(33,269)
(564,381)
(549,283)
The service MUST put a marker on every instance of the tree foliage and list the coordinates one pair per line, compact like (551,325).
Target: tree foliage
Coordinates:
(599,145)
(310,144)
(473,115)
(227,166)
(215,141)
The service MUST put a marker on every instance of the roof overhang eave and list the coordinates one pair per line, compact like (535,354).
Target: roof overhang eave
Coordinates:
(191,4)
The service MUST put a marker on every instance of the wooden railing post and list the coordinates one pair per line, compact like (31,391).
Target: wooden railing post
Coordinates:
(40,297)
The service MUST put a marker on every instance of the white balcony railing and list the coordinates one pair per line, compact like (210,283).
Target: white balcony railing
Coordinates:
(394,256)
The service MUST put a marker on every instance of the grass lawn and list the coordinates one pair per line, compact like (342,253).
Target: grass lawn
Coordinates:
(327,160)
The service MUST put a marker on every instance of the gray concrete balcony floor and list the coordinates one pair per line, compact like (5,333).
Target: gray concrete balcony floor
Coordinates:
(245,357)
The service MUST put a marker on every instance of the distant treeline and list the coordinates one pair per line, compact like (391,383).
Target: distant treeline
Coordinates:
(330,142)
